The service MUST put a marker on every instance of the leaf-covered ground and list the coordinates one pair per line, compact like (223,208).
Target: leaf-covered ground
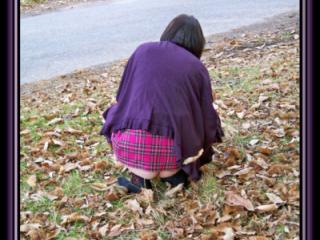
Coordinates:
(250,190)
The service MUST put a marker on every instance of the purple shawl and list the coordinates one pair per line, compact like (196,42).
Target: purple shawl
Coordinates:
(166,90)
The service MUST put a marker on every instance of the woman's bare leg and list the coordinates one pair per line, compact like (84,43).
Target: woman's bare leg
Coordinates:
(143,173)
(168,173)
(150,175)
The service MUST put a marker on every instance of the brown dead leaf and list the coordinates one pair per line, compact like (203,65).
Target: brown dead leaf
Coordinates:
(55,121)
(104,229)
(234,199)
(264,150)
(148,235)
(100,166)
(240,114)
(115,193)
(173,191)
(36,234)
(111,196)
(275,199)
(24,132)
(32,181)
(243,171)
(58,142)
(224,218)
(278,169)
(101,187)
(29,226)
(73,131)
(263,98)
(145,197)
(69,167)
(145,221)
(134,206)
(231,156)
(58,192)
(258,238)
(222,173)
(267,208)
(228,234)
(115,231)
(73,218)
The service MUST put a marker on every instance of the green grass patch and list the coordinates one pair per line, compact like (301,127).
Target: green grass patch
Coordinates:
(44,204)
(75,231)
(118,203)
(73,185)
(31,2)
(207,188)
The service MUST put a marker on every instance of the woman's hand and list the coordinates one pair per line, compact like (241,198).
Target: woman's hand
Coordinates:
(193,158)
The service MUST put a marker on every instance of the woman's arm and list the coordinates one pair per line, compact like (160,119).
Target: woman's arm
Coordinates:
(212,123)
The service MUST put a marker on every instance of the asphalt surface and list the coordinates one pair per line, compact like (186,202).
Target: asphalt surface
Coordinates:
(62,41)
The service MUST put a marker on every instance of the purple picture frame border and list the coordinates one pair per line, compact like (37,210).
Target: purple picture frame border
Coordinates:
(12,115)
(307,123)
(11,120)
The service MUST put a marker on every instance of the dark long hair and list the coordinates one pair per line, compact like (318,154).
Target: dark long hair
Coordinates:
(185,31)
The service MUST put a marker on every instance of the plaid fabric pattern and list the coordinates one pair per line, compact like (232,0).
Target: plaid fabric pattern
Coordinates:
(143,150)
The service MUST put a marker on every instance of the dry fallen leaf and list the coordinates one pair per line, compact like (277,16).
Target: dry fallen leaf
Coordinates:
(224,218)
(234,199)
(148,235)
(173,191)
(73,131)
(104,229)
(32,181)
(264,150)
(69,167)
(115,193)
(58,142)
(240,114)
(115,231)
(228,234)
(145,221)
(100,166)
(134,206)
(36,234)
(145,197)
(99,187)
(258,238)
(222,173)
(29,226)
(267,208)
(263,98)
(73,218)
(275,199)
(243,171)
(253,142)
(55,121)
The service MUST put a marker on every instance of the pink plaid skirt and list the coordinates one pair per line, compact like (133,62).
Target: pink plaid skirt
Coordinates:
(143,150)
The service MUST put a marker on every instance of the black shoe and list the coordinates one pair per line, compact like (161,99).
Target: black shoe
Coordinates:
(177,178)
(135,184)
(132,188)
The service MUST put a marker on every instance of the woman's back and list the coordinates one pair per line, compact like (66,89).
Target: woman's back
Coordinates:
(161,78)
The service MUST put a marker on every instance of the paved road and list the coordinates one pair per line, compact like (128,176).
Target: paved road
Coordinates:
(59,42)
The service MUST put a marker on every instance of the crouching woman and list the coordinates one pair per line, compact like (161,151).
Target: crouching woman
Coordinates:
(164,113)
